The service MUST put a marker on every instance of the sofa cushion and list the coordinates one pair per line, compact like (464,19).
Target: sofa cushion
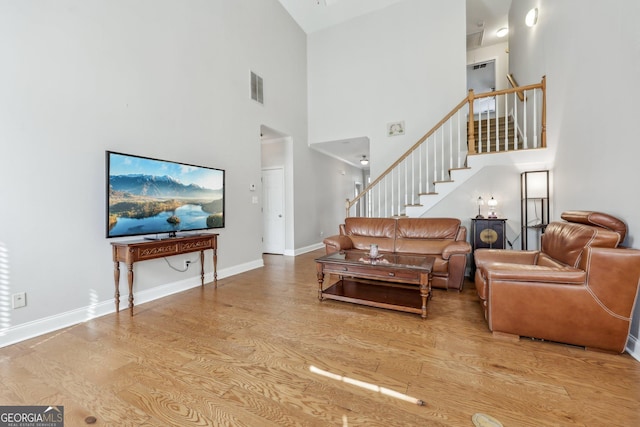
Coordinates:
(426,236)
(428,228)
(367,231)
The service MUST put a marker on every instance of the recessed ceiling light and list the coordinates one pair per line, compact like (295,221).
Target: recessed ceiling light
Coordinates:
(502,32)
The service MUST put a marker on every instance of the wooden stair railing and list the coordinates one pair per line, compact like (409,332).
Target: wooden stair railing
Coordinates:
(444,148)
(513,83)
(520,92)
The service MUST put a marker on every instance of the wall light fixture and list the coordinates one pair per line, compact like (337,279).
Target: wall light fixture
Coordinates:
(532,17)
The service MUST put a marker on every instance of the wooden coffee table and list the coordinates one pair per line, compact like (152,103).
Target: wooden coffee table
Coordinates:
(393,281)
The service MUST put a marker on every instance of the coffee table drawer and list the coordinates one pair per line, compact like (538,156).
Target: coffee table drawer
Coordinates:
(371,271)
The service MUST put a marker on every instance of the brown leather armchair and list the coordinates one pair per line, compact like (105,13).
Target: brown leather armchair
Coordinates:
(579,289)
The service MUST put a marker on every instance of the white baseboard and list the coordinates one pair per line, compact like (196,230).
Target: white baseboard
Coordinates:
(304,250)
(25,331)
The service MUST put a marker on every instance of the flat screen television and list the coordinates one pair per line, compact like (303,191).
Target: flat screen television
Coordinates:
(148,196)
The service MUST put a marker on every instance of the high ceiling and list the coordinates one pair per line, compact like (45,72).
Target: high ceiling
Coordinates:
(484,18)
(315,15)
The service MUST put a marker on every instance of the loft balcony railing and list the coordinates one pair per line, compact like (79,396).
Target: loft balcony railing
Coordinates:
(492,122)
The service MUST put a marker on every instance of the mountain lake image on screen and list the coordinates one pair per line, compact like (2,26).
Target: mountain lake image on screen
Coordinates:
(151,196)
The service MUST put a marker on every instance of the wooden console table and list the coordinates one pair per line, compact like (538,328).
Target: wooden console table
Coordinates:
(142,250)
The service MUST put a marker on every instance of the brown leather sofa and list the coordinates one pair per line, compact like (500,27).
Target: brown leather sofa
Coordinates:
(444,238)
(579,289)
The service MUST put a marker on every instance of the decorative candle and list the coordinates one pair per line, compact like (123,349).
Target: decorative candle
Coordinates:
(373,251)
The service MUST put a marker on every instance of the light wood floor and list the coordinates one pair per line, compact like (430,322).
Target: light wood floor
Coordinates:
(242,355)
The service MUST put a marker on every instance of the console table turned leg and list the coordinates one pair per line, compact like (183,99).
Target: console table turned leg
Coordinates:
(130,280)
(116,279)
(202,268)
(215,266)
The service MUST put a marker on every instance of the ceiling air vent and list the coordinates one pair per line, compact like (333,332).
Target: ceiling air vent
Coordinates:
(475,39)
(256,88)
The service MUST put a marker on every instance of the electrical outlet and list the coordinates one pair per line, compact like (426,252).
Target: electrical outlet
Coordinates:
(19,300)
(187,263)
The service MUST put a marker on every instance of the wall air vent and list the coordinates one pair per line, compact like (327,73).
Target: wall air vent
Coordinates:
(256,88)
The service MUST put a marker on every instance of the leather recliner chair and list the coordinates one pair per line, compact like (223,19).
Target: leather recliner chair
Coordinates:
(579,289)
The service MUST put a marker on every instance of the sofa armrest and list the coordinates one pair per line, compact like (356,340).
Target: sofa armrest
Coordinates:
(488,259)
(462,233)
(487,256)
(562,312)
(456,247)
(534,273)
(614,277)
(337,243)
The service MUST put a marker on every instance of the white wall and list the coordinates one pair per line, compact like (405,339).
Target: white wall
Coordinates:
(160,78)
(404,62)
(591,57)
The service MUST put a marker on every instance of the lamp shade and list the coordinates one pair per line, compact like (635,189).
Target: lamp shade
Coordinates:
(480,203)
(492,203)
(536,184)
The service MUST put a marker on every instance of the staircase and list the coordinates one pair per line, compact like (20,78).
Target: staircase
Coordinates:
(449,154)
(496,135)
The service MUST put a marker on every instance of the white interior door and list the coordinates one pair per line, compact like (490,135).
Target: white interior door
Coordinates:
(273,240)
(481,78)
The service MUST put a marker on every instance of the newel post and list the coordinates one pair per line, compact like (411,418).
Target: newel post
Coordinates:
(471,140)
(347,205)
